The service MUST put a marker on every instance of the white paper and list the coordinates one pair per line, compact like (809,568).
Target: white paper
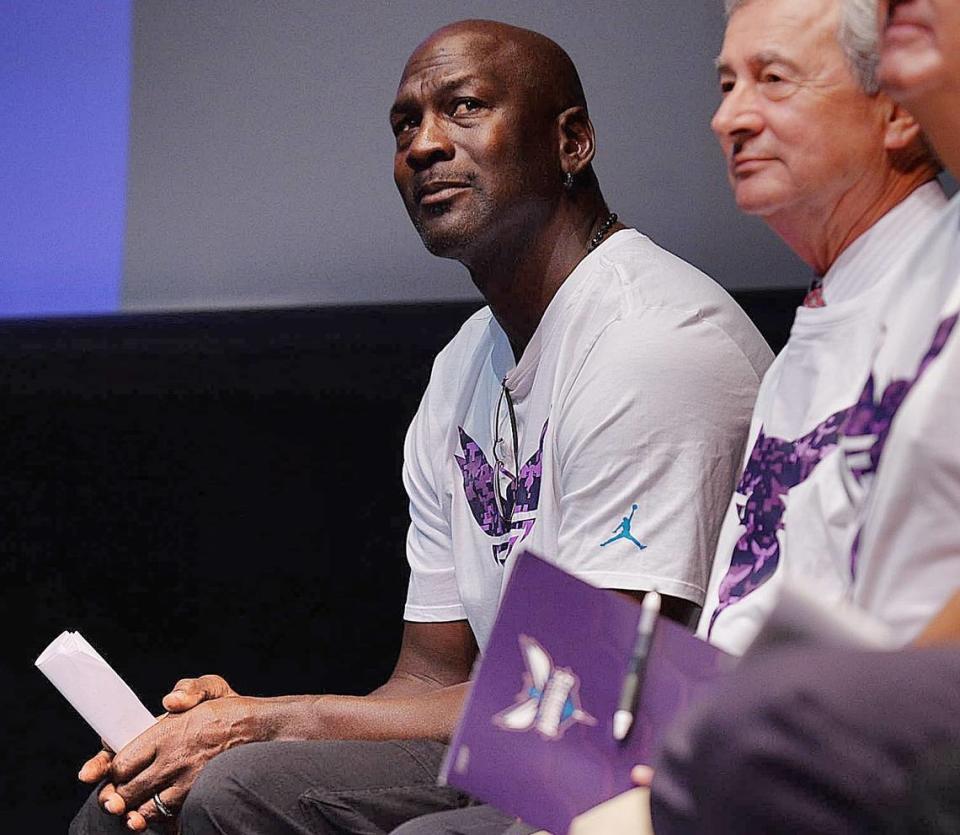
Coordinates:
(97,693)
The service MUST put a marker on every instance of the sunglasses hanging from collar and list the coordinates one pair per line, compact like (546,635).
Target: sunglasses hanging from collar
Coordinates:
(504,499)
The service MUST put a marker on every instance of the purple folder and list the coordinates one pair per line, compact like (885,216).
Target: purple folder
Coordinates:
(536,737)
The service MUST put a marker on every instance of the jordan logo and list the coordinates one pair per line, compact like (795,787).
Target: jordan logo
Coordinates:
(622,531)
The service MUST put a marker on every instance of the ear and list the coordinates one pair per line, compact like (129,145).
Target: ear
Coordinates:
(902,129)
(577,140)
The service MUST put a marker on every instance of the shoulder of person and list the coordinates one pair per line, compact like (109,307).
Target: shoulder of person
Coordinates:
(666,295)
(655,275)
(476,333)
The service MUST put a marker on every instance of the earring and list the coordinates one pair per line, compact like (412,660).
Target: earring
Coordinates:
(568,181)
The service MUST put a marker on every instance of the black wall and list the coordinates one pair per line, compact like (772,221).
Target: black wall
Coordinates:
(207,493)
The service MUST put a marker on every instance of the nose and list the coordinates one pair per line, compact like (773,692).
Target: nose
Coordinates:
(430,144)
(738,117)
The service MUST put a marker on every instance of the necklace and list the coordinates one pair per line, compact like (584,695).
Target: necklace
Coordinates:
(596,240)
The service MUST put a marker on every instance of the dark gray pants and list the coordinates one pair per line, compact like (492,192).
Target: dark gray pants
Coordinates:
(821,742)
(321,788)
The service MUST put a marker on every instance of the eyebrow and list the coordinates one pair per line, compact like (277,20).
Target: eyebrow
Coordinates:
(406,101)
(759,59)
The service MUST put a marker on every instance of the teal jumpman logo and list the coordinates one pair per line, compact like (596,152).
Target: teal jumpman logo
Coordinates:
(622,531)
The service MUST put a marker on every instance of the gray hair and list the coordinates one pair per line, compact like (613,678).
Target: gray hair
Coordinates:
(859,38)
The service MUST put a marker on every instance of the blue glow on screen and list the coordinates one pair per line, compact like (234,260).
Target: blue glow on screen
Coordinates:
(64,114)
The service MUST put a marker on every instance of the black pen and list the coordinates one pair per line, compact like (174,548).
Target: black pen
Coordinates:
(623,718)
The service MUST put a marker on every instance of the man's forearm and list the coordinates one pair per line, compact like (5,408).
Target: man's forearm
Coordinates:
(388,713)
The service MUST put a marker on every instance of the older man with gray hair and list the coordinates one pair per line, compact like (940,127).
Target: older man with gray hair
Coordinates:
(843,174)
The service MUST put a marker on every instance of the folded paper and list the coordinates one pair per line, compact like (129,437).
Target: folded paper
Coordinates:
(94,689)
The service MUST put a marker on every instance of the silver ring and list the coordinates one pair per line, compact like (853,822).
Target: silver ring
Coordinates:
(162,807)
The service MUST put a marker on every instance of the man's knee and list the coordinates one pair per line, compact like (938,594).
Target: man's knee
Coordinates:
(216,796)
(317,787)
(263,784)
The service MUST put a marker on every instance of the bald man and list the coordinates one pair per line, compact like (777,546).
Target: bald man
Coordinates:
(606,377)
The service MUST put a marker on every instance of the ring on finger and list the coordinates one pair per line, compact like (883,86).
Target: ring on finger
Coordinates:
(162,807)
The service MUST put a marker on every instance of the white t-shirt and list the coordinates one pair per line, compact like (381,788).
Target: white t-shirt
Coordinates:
(791,517)
(631,403)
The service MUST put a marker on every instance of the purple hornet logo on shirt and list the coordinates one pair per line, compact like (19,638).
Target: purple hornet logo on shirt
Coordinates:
(777,465)
(549,701)
(522,495)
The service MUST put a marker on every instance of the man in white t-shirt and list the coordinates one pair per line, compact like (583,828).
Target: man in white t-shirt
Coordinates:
(842,174)
(595,412)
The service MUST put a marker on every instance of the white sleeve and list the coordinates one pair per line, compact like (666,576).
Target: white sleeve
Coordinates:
(649,441)
(432,592)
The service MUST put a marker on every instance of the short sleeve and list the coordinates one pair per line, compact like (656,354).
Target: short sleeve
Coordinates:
(649,441)
(432,593)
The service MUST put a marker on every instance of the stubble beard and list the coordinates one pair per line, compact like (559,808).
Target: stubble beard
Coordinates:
(452,231)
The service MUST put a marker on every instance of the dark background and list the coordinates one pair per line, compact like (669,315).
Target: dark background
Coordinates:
(207,493)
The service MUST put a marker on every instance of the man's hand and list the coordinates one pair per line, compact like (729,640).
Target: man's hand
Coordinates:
(185,695)
(189,692)
(422,699)
(167,758)
(96,768)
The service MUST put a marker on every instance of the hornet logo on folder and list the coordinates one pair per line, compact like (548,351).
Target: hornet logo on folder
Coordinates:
(549,700)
